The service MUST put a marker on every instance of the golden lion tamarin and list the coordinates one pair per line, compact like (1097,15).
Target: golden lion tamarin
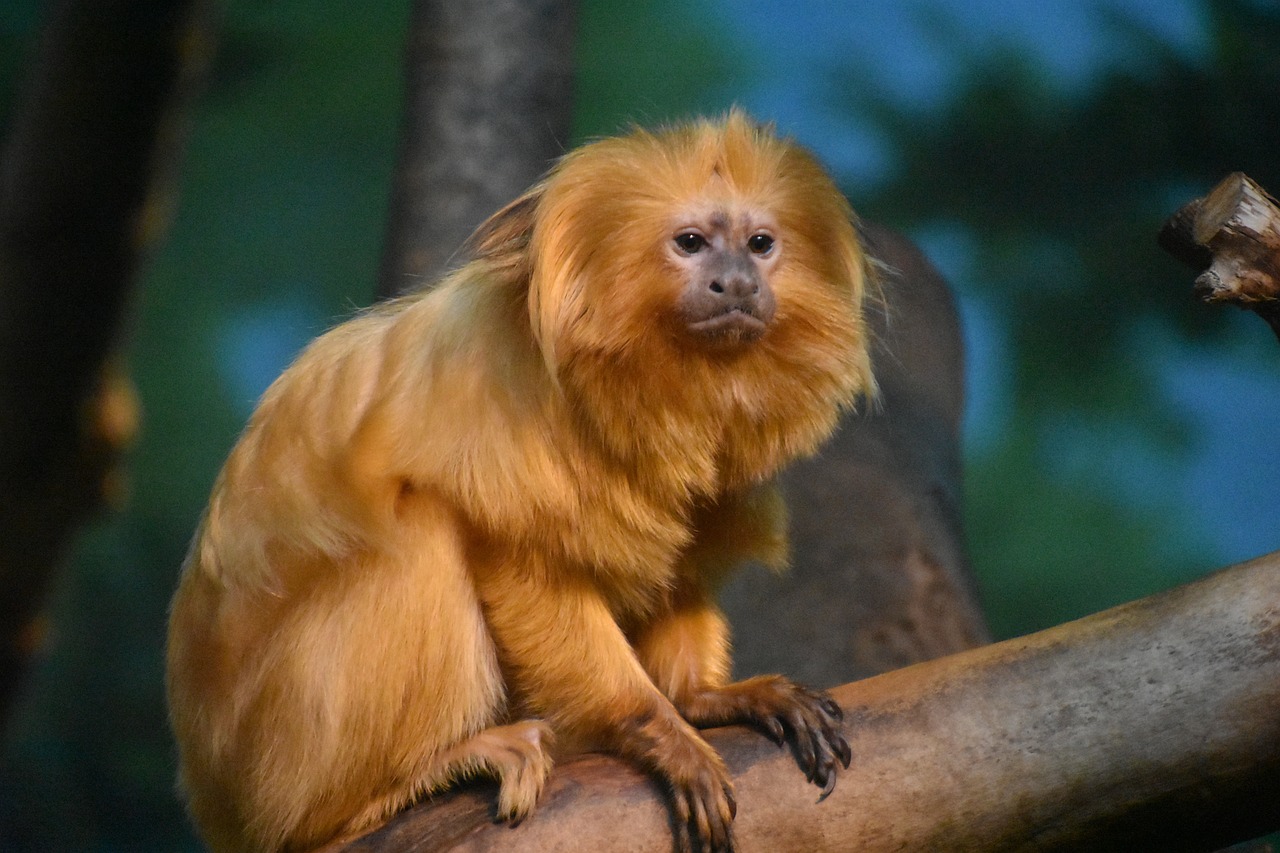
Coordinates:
(476,527)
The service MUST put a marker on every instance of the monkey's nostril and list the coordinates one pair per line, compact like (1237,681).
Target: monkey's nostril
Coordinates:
(717,287)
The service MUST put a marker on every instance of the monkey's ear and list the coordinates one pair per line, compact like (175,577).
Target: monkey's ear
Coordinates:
(504,236)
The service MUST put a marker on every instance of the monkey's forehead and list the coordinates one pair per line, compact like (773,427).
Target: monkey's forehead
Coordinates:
(722,214)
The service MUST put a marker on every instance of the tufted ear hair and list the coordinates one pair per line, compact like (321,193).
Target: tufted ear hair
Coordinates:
(503,238)
(506,243)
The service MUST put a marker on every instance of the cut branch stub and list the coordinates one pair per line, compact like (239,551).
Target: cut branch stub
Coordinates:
(1235,232)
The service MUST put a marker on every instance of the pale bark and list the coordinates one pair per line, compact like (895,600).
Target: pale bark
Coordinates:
(1151,726)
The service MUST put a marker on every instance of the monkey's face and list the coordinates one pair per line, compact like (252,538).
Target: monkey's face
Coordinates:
(725,260)
(717,246)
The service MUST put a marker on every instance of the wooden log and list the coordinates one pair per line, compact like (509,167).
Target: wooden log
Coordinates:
(1149,726)
(1235,232)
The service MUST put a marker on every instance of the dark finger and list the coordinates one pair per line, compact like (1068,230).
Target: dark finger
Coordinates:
(699,824)
(804,739)
(717,837)
(680,805)
(822,773)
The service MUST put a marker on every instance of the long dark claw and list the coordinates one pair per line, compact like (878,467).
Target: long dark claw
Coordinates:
(843,752)
(700,824)
(829,787)
(775,731)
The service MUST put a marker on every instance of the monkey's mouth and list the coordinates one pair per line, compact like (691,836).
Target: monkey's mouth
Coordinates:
(737,325)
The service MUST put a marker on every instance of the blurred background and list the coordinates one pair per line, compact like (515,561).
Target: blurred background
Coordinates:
(1120,437)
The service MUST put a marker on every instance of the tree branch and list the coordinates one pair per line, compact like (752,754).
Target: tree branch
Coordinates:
(1234,232)
(1149,726)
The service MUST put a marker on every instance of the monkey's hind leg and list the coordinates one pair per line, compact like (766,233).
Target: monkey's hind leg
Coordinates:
(517,755)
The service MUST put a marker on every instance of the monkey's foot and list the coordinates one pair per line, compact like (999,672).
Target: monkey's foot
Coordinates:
(704,809)
(786,712)
(518,756)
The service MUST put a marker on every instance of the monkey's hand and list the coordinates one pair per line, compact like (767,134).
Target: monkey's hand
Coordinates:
(556,634)
(694,774)
(786,712)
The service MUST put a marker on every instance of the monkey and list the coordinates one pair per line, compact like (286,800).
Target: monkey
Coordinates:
(477,529)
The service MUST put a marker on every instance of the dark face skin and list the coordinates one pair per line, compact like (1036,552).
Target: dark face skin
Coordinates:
(727,260)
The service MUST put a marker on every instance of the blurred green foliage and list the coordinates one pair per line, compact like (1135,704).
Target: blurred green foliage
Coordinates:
(1054,196)
(642,63)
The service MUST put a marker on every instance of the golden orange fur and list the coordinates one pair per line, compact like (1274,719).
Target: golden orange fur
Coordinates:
(471,521)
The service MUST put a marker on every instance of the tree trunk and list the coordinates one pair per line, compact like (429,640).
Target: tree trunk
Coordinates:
(488,104)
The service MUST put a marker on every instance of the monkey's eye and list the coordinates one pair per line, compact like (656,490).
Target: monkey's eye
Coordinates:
(690,242)
(760,244)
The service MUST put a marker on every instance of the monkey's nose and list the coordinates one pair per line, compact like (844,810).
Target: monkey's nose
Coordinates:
(735,288)
(728,308)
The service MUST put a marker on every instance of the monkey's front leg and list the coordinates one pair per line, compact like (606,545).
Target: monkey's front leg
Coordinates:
(686,652)
(570,663)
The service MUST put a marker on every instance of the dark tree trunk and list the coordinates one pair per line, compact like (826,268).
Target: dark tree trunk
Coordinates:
(78,207)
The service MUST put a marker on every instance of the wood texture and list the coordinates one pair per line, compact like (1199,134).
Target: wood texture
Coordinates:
(488,102)
(1235,232)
